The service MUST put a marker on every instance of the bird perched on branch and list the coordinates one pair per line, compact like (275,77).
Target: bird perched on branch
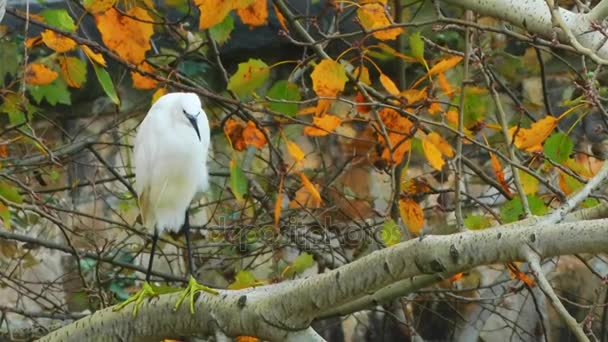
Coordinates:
(171,148)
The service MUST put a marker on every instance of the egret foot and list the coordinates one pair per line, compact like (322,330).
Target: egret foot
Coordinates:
(146,292)
(192,288)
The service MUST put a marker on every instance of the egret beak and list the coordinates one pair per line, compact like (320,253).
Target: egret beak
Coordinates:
(192,119)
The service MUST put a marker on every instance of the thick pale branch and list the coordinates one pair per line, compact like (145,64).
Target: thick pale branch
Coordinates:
(274,312)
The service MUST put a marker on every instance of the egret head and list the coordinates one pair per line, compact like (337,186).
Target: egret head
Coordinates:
(189,109)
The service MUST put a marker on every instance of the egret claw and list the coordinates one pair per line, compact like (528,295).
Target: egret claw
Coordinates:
(146,292)
(192,288)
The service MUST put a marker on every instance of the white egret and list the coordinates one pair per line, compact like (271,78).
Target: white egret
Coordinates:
(171,148)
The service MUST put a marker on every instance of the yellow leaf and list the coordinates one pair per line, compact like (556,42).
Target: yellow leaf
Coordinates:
(98,6)
(143,82)
(388,49)
(389,85)
(326,123)
(372,16)
(57,42)
(312,189)
(31,42)
(432,154)
(253,136)
(278,205)
(499,173)
(435,108)
(412,215)
(294,151)
(441,144)
(399,135)
(414,95)
(158,93)
(445,85)
(213,11)
(530,139)
(128,37)
(528,182)
(328,78)
(95,57)
(39,74)
(255,14)
(362,74)
(323,106)
(445,65)
(281,18)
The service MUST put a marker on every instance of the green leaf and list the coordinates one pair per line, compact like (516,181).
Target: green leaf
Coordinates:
(243,279)
(54,92)
(283,90)
(238,181)
(59,18)
(249,76)
(10,193)
(74,71)
(475,108)
(106,83)
(417,46)
(558,147)
(476,222)
(590,203)
(12,106)
(391,233)
(10,58)
(513,210)
(301,263)
(221,32)
(5,215)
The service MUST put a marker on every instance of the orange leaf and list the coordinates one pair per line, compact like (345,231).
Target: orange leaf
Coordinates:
(57,42)
(445,65)
(31,42)
(412,215)
(498,171)
(312,189)
(328,78)
(372,16)
(255,14)
(253,136)
(234,131)
(295,151)
(445,85)
(359,98)
(304,199)
(128,37)
(414,95)
(432,154)
(441,144)
(247,339)
(399,135)
(530,139)
(326,123)
(3,151)
(281,18)
(389,85)
(39,74)
(98,6)
(516,273)
(95,57)
(435,108)
(143,82)
(278,205)
(213,11)
(322,107)
(456,277)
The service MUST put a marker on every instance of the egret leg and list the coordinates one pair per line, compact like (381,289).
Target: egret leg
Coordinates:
(193,286)
(146,290)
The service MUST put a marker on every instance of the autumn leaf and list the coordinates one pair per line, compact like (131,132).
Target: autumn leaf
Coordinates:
(328,78)
(128,37)
(157,94)
(95,57)
(326,123)
(278,205)
(39,74)
(359,98)
(445,65)
(213,11)
(435,108)
(414,95)
(445,85)
(98,6)
(57,42)
(294,151)
(234,131)
(389,85)
(372,16)
(441,144)
(362,75)
(249,76)
(73,71)
(399,135)
(312,189)
(255,14)
(143,82)
(253,136)
(304,199)
(517,274)
(247,339)
(281,18)
(432,154)
(33,41)
(499,173)
(412,215)
(531,139)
